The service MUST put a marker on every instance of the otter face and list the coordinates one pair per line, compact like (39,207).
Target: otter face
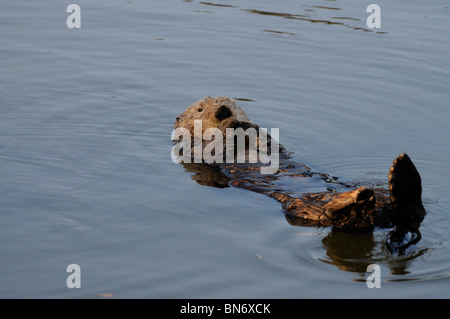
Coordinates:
(202,125)
(218,112)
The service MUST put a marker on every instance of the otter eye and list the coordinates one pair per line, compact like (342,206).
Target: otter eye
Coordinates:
(200,109)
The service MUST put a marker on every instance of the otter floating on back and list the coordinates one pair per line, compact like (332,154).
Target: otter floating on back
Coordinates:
(338,205)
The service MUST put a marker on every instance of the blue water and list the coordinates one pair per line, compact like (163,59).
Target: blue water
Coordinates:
(86,175)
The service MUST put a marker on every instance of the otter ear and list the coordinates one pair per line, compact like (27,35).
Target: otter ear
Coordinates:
(223,112)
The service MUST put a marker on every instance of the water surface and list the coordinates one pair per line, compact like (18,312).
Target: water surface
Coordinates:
(85,170)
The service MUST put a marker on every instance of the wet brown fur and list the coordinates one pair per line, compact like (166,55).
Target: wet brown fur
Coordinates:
(337,206)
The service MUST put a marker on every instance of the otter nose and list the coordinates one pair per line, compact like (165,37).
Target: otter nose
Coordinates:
(223,112)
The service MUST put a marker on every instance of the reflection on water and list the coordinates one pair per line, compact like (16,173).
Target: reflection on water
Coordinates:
(353,252)
(217,5)
(279,32)
(309,15)
(207,175)
(326,8)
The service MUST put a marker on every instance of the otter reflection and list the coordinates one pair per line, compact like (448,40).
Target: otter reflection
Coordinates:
(354,251)
(207,175)
(349,251)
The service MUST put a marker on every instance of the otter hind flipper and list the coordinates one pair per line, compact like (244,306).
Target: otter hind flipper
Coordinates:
(405,187)
(405,183)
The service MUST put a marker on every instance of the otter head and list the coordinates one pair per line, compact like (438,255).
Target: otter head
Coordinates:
(221,113)
(214,112)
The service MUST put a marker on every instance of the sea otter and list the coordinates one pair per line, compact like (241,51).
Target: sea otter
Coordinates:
(331,203)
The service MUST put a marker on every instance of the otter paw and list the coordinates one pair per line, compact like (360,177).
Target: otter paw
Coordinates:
(352,210)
